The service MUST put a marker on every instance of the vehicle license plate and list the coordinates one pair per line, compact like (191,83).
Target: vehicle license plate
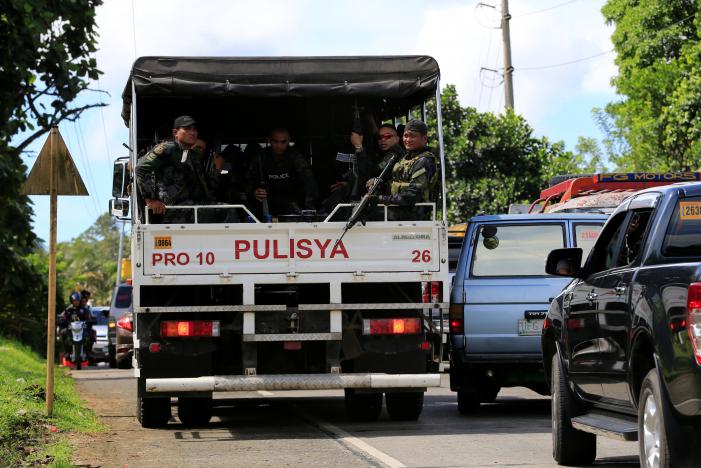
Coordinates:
(530,327)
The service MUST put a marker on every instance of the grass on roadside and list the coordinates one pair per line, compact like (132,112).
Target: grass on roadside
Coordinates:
(26,434)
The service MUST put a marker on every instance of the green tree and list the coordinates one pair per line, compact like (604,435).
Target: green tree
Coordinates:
(657,53)
(46,62)
(90,260)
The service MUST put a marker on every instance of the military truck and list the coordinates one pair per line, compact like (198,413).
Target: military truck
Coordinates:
(243,303)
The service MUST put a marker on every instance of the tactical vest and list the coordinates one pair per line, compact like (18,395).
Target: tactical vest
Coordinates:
(404,173)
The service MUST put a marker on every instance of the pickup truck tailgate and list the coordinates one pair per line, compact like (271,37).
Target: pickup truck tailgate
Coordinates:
(494,308)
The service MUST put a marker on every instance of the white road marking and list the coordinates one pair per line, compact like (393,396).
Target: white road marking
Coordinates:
(346,439)
(265,393)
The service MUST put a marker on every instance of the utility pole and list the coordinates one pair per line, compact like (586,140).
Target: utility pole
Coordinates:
(508,69)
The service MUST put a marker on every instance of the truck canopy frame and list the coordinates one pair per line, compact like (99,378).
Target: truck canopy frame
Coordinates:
(400,81)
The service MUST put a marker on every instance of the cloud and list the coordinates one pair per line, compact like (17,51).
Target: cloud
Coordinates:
(455,32)
(461,39)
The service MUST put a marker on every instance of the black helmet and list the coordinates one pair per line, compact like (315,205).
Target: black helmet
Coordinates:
(76,296)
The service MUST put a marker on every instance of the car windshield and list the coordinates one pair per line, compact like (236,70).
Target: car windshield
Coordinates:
(515,250)
(100,319)
(123,299)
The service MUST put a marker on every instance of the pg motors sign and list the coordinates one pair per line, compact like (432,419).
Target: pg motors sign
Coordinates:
(282,249)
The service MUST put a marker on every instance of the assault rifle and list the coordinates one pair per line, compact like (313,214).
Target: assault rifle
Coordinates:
(360,207)
(266,211)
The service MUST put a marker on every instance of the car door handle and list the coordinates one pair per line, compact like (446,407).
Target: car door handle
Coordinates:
(592,296)
(620,290)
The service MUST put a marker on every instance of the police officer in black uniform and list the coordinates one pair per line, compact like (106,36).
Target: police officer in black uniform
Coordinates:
(282,176)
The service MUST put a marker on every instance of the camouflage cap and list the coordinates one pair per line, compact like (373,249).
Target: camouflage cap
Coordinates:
(416,125)
(184,121)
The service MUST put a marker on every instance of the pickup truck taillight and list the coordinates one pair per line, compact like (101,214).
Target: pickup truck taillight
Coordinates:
(456,317)
(189,328)
(693,318)
(126,323)
(395,326)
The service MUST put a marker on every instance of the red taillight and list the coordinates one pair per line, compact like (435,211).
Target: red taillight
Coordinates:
(456,317)
(431,292)
(398,326)
(154,347)
(547,324)
(693,318)
(189,328)
(126,323)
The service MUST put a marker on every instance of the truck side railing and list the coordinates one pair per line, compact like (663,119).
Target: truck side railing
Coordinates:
(252,219)
(385,209)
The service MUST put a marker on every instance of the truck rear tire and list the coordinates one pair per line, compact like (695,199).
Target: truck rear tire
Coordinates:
(153,412)
(570,446)
(194,412)
(468,402)
(405,406)
(488,393)
(363,406)
(661,438)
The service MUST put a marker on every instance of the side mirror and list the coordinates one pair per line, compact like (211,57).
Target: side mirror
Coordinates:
(565,262)
(119,207)
(106,313)
(120,178)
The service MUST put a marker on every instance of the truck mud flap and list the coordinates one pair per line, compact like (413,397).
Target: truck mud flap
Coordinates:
(232,383)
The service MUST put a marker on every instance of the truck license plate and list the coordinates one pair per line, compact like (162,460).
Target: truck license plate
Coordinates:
(530,327)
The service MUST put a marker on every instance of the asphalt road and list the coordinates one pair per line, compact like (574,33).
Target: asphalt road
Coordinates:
(305,428)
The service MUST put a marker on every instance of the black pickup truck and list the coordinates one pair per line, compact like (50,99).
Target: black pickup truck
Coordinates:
(622,342)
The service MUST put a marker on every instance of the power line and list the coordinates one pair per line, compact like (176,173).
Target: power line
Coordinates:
(535,12)
(491,90)
(86,207)
(84,157)
(582,59)
(488,51)
(562,64)
(104,128)
(486,5)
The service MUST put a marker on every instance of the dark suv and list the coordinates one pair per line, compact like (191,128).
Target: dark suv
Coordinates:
(622,342)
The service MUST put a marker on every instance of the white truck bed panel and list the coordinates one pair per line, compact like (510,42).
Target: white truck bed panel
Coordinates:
(290,248)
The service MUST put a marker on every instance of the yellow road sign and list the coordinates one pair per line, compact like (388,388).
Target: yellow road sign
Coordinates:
(53,174)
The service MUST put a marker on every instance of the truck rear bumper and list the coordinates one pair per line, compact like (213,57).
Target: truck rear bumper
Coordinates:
(232,383)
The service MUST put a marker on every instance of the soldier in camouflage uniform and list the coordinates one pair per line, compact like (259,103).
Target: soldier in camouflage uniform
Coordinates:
(172,174)
(414,177)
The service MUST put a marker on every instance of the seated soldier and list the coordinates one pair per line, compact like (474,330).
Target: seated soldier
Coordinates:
(282,177)
(414,177)
(172,174)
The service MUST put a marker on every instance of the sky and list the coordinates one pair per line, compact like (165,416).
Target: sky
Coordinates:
(561,53)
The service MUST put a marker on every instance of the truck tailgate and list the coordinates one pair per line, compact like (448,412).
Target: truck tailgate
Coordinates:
(493,309)
(291,247)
